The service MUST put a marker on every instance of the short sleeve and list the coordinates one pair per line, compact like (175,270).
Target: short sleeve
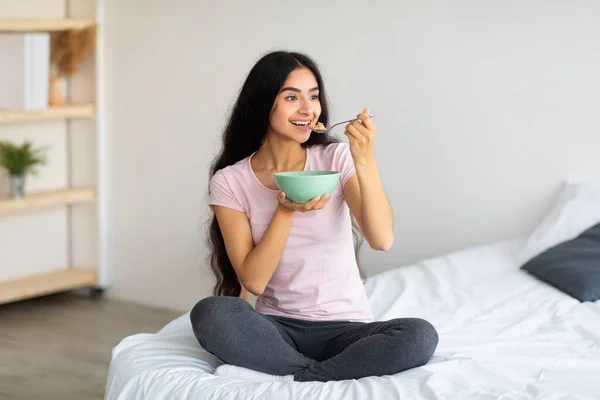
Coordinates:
(344,163)
(221,193)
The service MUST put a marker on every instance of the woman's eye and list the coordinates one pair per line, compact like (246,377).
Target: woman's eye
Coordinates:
(314,97)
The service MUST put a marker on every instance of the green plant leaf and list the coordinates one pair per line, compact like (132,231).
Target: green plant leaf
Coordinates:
(23,159)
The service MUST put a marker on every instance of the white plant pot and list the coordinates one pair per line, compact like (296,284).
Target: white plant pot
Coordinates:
(17,186)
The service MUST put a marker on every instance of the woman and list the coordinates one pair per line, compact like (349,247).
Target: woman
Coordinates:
(312,320)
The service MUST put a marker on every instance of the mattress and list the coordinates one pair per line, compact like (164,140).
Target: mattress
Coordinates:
(503,335)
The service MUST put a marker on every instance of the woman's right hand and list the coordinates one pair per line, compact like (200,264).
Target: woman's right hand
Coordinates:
(316,203)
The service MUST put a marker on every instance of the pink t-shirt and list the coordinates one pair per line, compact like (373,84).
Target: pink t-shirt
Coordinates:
(317,277)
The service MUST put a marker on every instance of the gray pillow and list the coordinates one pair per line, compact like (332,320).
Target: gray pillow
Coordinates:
(572,266)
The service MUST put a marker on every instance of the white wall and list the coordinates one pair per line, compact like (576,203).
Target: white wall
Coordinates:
(482,108)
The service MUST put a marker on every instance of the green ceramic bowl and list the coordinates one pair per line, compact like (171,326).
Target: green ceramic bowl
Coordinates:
(302,186)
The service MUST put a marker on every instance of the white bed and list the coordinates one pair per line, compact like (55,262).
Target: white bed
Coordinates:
(503,334)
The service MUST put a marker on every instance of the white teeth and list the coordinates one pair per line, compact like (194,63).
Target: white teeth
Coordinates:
(300,123)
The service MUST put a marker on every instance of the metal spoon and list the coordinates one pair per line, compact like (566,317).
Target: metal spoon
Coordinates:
(339,123)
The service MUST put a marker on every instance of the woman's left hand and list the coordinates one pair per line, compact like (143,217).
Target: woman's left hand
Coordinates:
(361,135)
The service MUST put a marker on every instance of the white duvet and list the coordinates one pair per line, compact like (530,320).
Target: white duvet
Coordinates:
(503,335)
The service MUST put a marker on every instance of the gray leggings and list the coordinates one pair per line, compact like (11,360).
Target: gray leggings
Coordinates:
(324,351)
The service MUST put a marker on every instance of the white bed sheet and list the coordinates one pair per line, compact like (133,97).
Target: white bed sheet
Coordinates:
(503,335)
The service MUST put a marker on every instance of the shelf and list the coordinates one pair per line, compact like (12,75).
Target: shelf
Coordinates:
(52,198)
(44,24)
(70,111)
(47,283)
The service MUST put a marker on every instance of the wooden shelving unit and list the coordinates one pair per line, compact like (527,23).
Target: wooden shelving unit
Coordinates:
(46,199)
(46,283)
(44,24)
(69,111)
(73,275)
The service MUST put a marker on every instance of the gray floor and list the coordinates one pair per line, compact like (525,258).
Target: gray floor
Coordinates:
(58,347)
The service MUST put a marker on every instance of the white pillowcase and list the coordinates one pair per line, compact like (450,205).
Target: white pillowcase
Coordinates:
(576,209)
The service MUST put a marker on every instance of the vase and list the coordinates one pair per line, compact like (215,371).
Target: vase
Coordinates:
(17,186)
(55,92)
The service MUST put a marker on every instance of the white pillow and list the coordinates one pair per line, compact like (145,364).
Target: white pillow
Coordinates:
(576,209)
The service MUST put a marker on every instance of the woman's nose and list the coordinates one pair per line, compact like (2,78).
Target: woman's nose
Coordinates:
(305,107)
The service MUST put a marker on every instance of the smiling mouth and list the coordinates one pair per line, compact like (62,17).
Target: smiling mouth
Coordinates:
(300,123)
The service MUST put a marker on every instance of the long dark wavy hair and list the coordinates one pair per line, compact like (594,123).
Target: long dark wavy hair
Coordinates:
(247,126)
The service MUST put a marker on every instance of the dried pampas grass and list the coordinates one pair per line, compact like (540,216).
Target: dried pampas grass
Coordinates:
(69,49)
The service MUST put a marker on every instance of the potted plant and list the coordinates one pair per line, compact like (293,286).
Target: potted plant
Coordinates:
(20,161)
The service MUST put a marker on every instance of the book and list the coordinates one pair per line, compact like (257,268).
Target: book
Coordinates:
(24,71)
